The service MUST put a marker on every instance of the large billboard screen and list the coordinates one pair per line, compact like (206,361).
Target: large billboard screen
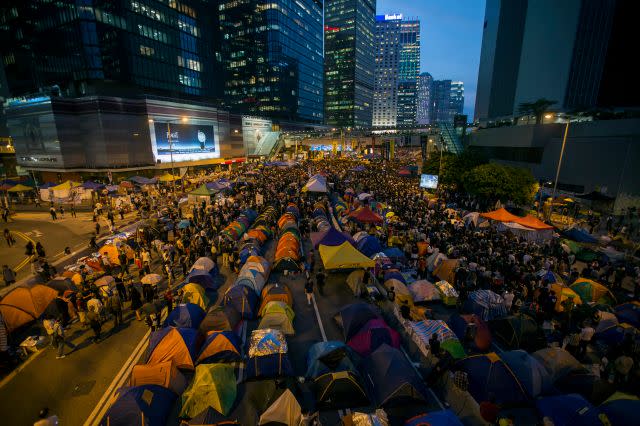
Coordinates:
(187,141)
(253,131)
(429,181)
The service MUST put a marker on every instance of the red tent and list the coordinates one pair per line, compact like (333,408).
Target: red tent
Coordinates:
(365,215)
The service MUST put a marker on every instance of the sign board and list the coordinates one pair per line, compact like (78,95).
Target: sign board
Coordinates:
(429,181)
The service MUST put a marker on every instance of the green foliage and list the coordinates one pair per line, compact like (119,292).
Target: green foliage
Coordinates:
(498,182)
(453,166)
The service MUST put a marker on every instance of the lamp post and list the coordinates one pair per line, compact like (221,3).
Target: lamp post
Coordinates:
(169,139)
(555,183)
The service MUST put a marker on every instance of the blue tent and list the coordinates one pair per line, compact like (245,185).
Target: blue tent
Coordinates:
(615,334)
(435,418)
(579,235)
(488,374)
(220,346)
(394,275)
(392,378)
(530,372)
(248,251)
(186,315)
(324,357)
(269,366)
(369,246)
(568,410)
(355,316)
(243,299)
(91,185)
(486,304)
(202,278)
(621,411)
(141,180)
(333,237)
(148,405)
(629,313)
(393,252)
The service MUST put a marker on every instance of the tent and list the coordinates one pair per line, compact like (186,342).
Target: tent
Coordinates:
(605,320)
(558,362)
(486,304)
(392,378)
(243,299)
(564,293)
(448,294)
(202,191)
(518,331)
(424,291)
(186,315)
(446,270)
(568,410)
(353,317)
(369,245)
(220,346)
(333,237)
(621,409)
(193,293)
(210,417)
(278,315)
(212,385)
(422,331)
(164,374)
(591,291)
(354,281)
(252,279)
(22,305)
(148,405)
(615,334)
(316,184)
(284,411)
(580,235)
(435,418)
(344,256)
(365,215)
(330,356)
(268,355)
(202,278)
(204,264)
(500,215)
(179,345)
(20,188)
(533,376)
(112,251)
(219,318)
(489,374)
(340,389)
(372,335)
(275,293)
(471,328)
(141,180)
(533,223)
(629,313)
(168,177)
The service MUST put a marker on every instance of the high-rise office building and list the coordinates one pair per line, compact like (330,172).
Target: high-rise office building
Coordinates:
(457,97)
(424,99)
(397,47)
(272,57)
(574,56)
(75,48)
(349,62)
(442,111)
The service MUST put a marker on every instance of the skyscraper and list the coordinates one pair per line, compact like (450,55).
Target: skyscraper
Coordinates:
(569,56)
(349,62)
(424,99)
(442,110)
(397,48)
(457,97)
(272,61)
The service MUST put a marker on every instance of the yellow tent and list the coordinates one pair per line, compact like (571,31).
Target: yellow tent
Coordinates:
(168,177)
(112,252)
(344,256)
(278,315)
(65,185)
(193,293)
(20,188)
(563,293)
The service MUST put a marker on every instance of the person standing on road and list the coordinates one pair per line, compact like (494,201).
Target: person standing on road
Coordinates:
(94,321)
(308,291)
(8,236)
(52,212)
(40,250)
(73,210)
(61,210)
(8,275)
(114,305)
(320,282)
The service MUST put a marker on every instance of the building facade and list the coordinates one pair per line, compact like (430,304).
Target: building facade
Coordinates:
(457,97)
(396,74)
(424,99)
(442,111)
(272,58)
(349,63)
(573,56)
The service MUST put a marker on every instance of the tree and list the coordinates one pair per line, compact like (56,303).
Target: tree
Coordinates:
(537,108)
(498,182)
(453,166)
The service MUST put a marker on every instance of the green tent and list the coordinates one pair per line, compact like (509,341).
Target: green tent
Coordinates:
(454,347)
(203,191)
(213,385)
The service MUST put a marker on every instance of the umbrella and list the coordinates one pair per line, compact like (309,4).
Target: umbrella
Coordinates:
(105,281)
(152,279)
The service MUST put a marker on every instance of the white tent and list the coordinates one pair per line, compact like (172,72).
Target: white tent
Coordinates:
(285,410)
(316,184)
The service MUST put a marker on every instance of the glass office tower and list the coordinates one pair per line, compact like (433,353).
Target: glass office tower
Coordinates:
(424,99)
(272,58)
(349,62)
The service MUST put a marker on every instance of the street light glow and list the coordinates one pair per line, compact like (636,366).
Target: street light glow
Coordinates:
(548,116)
(151,120)
(184,119)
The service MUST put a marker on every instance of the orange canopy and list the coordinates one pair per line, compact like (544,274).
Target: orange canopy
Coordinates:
(25,304)
(533,223)
(501,215)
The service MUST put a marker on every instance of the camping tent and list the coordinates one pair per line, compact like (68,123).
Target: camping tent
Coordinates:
(202,278)
(332,237)
(219,318)
(621,409)
(316,184)
(471,327)
(424,291)
(486,304)
(147,405)
(365,215)
(193,293)
(179,345)
(369,245)
(20,188)
(446,270)
(488,374)
(25,304)
(372,335)
(278,315)
(202,193)
(354,281)
(591,291)
(615,334)
(243,299)
(112,251)
(164,374)
(564,293)
(210,417)
(268,355)
(354,316)
(568,410)
(629,313)
(580,235)
(533,376)
(212,385)
(168,177)
(284,411)
(220,346)
(275,293)
(344,256)
(518,331)
(448,294)
(252,279)
(185,315)
(422,331)
(435,418)
(204,264)
(558,362)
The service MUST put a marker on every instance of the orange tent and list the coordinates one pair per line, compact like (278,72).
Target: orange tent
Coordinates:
(179,345)
(533,223)
(24,304)
(275,293)
(164,374)
(501,215)
(446,270)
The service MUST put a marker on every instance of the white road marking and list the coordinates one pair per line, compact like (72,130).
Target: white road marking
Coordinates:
(315,307)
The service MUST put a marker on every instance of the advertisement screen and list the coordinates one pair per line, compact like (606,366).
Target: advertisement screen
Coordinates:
(429,181)
(187,141)
(254,131)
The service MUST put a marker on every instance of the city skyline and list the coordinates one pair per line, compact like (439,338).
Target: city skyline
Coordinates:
(451,35)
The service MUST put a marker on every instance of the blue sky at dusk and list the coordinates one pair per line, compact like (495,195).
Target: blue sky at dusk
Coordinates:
(450,37)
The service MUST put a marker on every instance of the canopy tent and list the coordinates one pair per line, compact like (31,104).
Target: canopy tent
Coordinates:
(316,184)
(353,317)
(486,304)
(365,215)
(591,291)
(164,374)
(446,270)
(471,328)
(518,331)
(179,345)
(141,180)
(278,315)
(92,185)
(148,405)
(285,410)
(203,191)
(22,305)
(435,418)
(558,362)
(568,410)
(168,177)
(372,335)
(533,223)
(193,293)
(530,372)
(344,256)
(20,188)
(219,318)
(488,374)
(243,299)
(212,385)
(501,215)
(185,315)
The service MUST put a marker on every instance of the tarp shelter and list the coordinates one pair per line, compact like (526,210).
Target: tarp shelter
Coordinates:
(591,291)
(220,346)
(621,409)
(471,328)
(202,278)
(486,304)
(533,376)
(354,316)
(424,291)
(212,385)
(279,316)
(568,410)
(372,335)
(168,177)
(558,362)
(365,215)
(179,345)
(193,293)
(392,378)
(285,410)
(422,331)
(24,304)
(435,418)
(20,188)
(147,405)
(518,331)
(243,299)
(219,318)
(446,270)
(344,256)
(185,315)
(579,235)
(164,374)
(275,293)
(488,374)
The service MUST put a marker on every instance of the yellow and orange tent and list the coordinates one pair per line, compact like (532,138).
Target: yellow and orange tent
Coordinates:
(24,304)
(164,374)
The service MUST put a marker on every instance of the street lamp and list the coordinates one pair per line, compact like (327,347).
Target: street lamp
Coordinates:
(181,120)
(555,183)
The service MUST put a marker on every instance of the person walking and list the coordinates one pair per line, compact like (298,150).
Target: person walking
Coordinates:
(94,322)
(114,306)
(73,210)
(8,275)
(320,277)
(308,290)
(136,302)
(55,330)
(52,212)
(8,236)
